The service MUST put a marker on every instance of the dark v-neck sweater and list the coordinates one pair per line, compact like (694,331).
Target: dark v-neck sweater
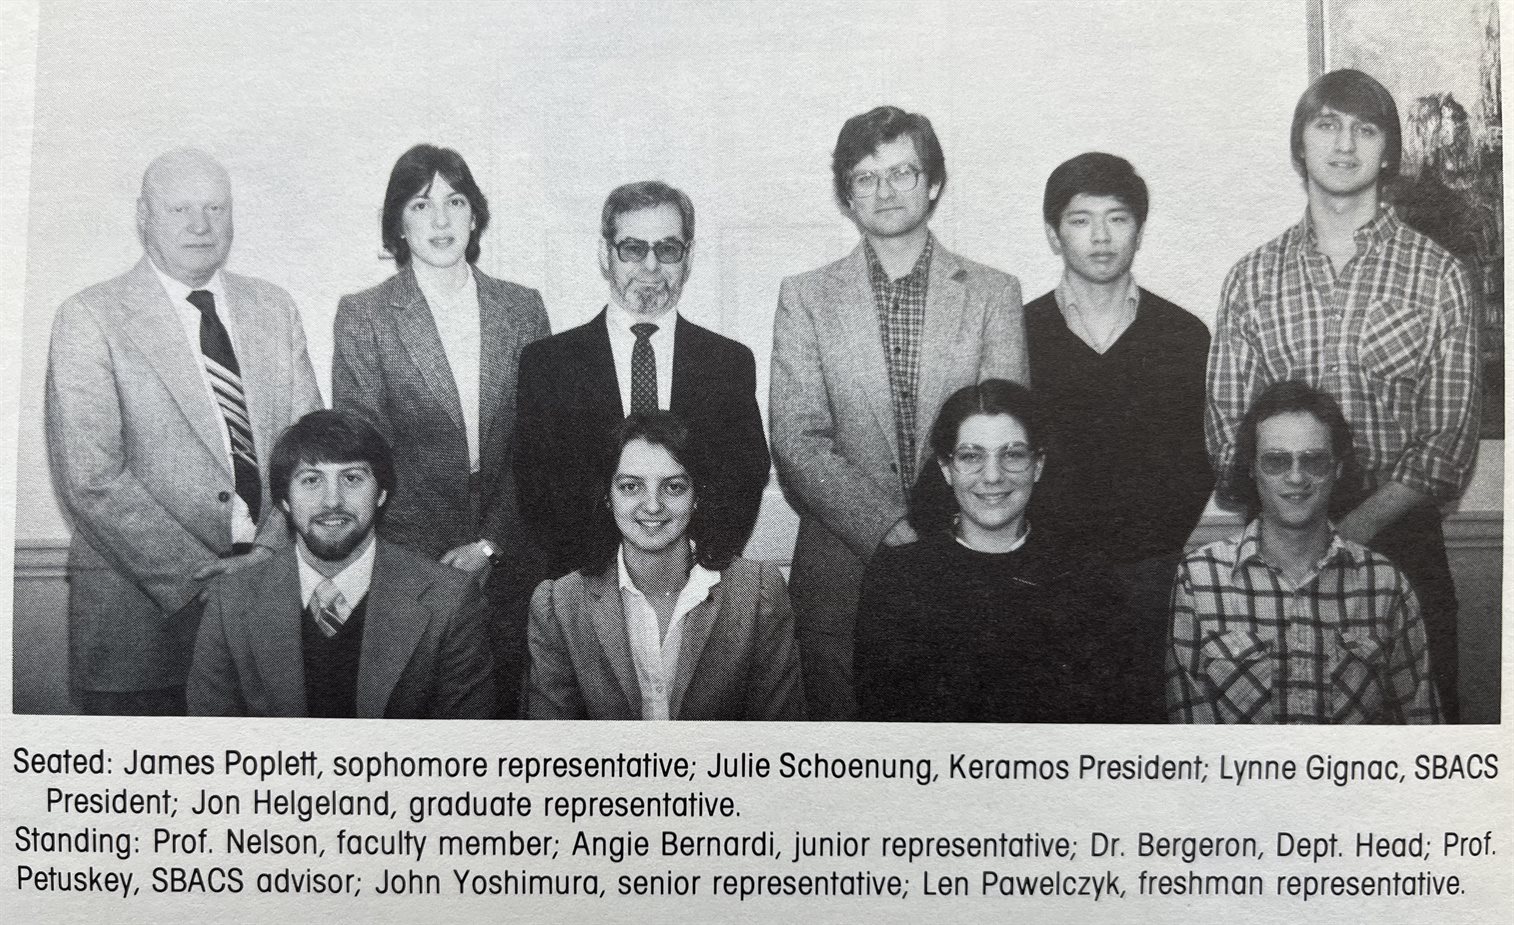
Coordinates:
(1126,470)
(331,665)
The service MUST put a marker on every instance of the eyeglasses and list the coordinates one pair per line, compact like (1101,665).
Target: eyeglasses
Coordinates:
(634,250)
(902,177)
(970,460)
(1316,464)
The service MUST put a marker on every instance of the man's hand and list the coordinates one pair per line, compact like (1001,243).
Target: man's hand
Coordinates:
(232,564)
(900,533)
(1382,509)
(472,558)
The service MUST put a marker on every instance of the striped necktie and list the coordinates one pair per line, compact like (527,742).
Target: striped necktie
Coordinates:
(328,608)
(226,381)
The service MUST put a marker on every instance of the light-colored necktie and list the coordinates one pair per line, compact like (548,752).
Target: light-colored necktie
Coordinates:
(328,607)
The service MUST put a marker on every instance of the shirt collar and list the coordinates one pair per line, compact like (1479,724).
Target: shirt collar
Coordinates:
(432,288)
(178,293)
(916,274)
(1382,227)
(1067,291)
(352,581)
(701,579)
(1249,550)
(620,320)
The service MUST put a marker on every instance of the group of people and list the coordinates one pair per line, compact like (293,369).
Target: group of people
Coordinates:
(494,520)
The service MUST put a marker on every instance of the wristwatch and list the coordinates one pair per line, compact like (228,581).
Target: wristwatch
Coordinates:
(491,551)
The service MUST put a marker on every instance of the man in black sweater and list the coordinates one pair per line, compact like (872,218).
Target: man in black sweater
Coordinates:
(1120,375)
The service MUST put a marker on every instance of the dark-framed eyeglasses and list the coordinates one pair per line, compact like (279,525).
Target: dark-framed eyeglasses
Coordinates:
(1317,464)
(634,250)
(902,177)
(970,459)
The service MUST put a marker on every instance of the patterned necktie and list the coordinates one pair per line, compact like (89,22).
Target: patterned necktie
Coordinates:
(643,369)
(226,381)
(328,606)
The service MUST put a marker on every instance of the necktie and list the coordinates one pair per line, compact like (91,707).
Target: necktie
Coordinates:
(643,369)
(226,381)
(326,606)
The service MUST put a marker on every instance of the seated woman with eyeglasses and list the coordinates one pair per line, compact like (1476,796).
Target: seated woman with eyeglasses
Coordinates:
(668,623)
(986,618)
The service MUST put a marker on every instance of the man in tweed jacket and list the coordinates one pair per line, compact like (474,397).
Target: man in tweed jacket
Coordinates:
(865,350)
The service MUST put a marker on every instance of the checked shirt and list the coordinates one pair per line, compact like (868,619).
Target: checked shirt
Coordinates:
(1393,337)
(1344,646)
(901,322)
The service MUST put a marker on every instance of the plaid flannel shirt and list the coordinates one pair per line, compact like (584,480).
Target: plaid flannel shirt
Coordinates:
(901,322)
(1345,646)
(1393,338)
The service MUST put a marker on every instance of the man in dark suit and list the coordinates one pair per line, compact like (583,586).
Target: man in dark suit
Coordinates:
(342,624)
(166,387)
(636,355)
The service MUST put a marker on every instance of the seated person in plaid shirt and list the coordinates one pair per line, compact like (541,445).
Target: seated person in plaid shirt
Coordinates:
(1291,622)
(1361,306)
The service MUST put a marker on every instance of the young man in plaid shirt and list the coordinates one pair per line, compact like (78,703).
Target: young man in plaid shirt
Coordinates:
(1292,622)
(1360,306)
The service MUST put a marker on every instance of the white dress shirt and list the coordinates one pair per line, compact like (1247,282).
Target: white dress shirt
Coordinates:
(655,654)
(456,314)
(352,581)
(243,529)
(619,321)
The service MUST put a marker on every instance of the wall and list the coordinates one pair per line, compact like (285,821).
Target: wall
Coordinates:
(554,104)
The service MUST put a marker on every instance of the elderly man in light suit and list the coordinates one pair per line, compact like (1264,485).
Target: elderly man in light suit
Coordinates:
(166,387)
(864,352)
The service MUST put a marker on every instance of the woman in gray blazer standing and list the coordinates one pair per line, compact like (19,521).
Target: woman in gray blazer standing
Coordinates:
(668,622)
(429,357)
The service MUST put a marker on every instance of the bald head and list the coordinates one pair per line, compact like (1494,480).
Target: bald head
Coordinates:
(184,215)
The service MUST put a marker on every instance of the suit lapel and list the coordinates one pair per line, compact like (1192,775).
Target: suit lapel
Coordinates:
(609,621)
(273,627)
(684,360)
(392,627)
(944,297)
(153,325)
(417,330)
(601,389)
(850,295)
(697,624)
(497,335)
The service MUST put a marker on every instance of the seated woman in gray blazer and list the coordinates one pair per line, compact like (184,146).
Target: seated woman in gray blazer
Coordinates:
(668,623)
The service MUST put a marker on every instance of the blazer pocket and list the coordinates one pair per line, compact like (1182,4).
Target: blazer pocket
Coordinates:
(1356,690)
(1239,670)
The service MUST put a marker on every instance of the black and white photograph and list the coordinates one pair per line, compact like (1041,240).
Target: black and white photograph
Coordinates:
(978,396)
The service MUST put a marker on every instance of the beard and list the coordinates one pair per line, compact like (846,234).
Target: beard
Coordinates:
(335,548)
(647,298)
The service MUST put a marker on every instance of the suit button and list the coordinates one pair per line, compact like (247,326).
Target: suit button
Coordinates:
(894,468)
(223,497)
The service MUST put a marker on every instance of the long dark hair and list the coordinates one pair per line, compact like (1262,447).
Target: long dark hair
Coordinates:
(715,542)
